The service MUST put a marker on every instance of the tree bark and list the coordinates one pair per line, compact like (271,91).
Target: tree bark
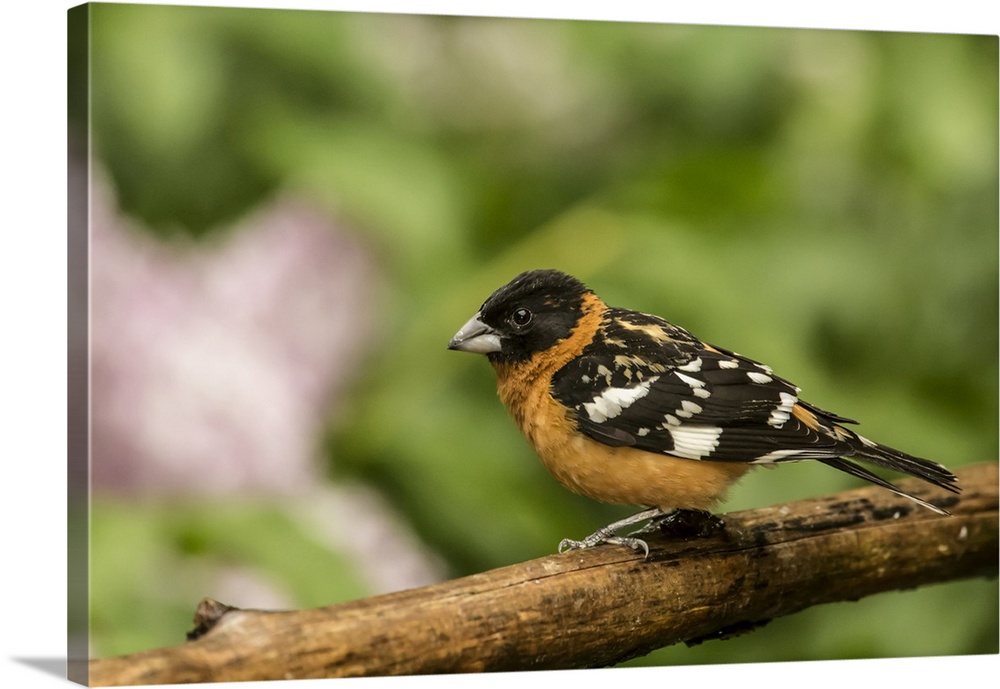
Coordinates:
(604,605)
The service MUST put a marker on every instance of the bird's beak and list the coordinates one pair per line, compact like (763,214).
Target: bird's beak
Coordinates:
(477,337)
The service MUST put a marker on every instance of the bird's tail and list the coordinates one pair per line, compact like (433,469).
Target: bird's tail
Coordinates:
(890,458)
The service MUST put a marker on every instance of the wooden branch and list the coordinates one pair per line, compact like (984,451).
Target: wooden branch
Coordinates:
(601,606)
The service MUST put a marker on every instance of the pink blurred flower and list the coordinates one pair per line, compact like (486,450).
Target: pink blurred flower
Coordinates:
(216,364)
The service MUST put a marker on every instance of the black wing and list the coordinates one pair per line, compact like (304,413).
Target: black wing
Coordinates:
(646,383)
(696,403)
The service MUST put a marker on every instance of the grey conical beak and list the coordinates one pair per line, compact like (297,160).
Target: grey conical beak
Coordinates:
(475,336)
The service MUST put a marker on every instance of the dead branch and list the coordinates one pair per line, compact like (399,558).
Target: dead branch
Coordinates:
(601,606)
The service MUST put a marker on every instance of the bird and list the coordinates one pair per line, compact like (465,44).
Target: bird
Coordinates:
(627,408)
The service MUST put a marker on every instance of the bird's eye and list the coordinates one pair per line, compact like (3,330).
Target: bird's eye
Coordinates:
(521,317)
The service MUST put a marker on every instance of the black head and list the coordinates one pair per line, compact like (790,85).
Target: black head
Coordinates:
(529,314)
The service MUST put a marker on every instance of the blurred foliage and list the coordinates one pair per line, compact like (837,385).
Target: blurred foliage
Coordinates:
(152,563)
(825,201)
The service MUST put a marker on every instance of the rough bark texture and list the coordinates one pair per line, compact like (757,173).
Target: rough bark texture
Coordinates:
(601,606)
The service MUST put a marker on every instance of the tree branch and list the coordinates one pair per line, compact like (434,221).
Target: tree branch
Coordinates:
(601,606)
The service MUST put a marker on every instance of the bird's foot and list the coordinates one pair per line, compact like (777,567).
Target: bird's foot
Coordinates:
(593,539)
(607,534)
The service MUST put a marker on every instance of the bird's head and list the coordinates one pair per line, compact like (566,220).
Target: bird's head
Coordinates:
(529,314)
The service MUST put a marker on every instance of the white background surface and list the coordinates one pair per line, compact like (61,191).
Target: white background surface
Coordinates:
(33,308)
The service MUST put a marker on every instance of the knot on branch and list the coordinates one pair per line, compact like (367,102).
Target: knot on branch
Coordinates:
(208,614)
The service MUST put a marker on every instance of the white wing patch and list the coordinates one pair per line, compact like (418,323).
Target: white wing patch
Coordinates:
(694,442)
(687,409)
(612,401)
(697,386)
(783,411)
(757,377)
(692,366)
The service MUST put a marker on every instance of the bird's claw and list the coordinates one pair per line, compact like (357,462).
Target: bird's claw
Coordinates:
(607,534)
(636,544)
(680,523)
(567,544)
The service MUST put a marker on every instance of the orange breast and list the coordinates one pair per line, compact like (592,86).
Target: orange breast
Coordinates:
(620,475)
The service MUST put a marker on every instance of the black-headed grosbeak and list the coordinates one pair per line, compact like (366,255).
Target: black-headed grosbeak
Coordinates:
(627,408)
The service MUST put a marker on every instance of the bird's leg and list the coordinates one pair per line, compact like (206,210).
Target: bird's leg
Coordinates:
(607,533)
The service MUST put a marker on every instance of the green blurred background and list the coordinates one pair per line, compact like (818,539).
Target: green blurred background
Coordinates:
(823,201)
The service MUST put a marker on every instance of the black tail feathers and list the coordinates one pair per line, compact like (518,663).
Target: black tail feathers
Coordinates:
(889,458)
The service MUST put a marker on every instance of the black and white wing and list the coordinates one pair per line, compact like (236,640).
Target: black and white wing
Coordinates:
(648,384)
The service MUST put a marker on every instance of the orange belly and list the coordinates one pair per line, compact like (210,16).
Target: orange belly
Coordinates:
(620,475)
(625,475)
